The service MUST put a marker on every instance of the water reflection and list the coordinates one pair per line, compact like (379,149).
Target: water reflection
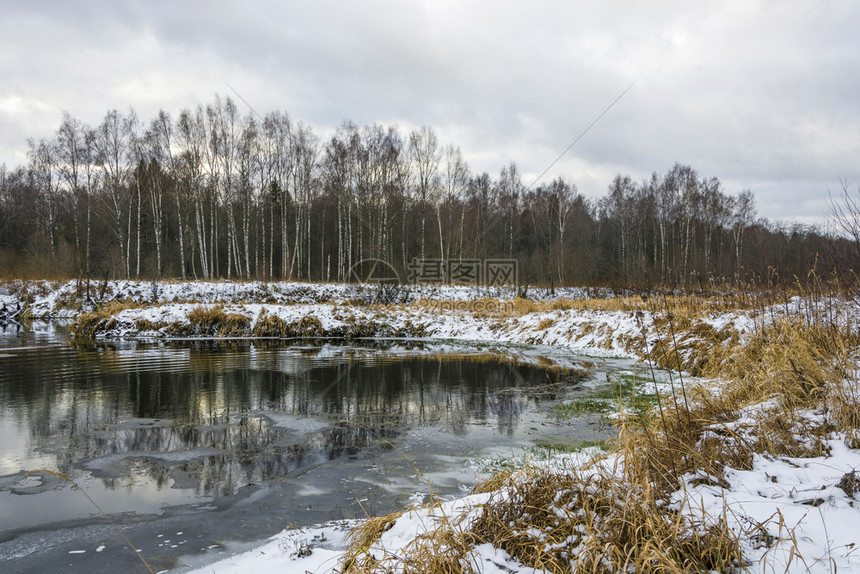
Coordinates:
(214,416)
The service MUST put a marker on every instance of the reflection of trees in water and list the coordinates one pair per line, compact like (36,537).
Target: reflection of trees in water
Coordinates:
(219,401)
(252,450)
(507,405)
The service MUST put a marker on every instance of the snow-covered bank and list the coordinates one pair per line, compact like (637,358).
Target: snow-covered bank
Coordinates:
(322,549)
(789,515)
(165,309)
(55,299)
(787,501)
(597,333)
(139,309)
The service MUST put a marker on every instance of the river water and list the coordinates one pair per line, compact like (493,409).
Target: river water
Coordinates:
(196,449)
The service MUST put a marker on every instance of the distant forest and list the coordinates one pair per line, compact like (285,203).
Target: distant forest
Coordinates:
(216,193)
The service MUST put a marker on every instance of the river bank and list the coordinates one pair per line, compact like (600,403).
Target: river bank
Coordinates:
(751,469)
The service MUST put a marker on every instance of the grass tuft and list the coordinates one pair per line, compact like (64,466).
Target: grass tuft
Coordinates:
(214,322)
(602,519)
(270,326)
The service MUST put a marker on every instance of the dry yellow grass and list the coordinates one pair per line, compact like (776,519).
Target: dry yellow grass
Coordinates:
(597,520)
(213,321)
(618,521)
(592,520)
(270,326)
(445,549)
(87,325)
(362,537)
(681,307)
(785,370)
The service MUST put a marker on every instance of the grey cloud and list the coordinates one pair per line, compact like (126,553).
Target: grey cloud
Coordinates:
(761,95)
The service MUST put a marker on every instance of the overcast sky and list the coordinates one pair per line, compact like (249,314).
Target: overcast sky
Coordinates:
(763,95)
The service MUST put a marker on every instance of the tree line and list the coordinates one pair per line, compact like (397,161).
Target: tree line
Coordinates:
(215,193)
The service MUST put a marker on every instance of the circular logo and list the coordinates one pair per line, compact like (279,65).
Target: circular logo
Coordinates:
(373,271)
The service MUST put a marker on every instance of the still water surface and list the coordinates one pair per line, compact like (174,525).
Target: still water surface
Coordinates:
(196,447)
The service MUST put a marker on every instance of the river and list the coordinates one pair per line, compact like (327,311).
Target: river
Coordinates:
(196,449)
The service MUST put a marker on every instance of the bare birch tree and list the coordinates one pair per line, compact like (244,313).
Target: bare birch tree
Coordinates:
(71,157)
(425,154)
(114,158)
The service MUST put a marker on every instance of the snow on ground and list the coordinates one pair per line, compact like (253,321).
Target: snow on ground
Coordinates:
(317,550)
(320,549)
(792,512)
(601,333)
(791,515)
(742,323)
(467,312)
(49,298)
(596,333)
